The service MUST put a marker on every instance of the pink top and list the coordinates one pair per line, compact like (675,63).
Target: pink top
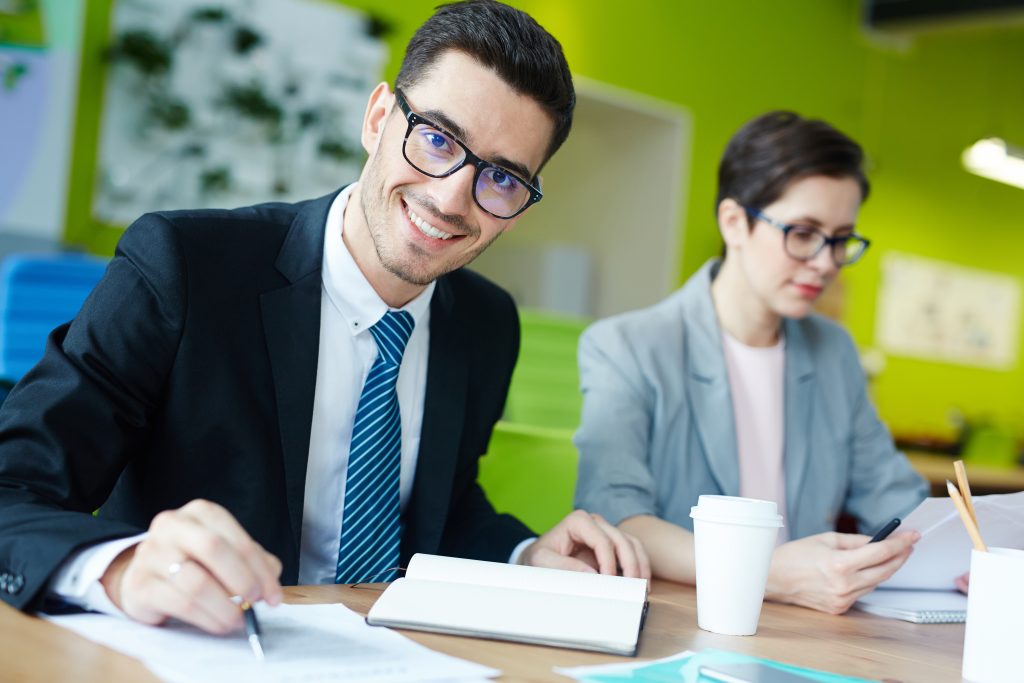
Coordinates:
(756,377)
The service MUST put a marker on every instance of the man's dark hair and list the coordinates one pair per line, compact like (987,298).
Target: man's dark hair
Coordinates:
(777,148)
(506,40)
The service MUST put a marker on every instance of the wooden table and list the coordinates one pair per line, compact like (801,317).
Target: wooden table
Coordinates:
(858,644)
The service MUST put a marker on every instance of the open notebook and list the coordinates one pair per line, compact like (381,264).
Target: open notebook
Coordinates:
(512,602)
(918,606)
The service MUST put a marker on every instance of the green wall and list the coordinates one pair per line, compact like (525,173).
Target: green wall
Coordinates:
(914,104)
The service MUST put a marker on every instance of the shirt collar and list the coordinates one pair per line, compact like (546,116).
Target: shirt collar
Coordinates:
(347,288)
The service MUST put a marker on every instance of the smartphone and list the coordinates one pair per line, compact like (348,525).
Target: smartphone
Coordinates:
(749,672)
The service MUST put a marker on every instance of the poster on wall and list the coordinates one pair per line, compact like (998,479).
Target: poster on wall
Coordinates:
(233,102)
(39,45)
(945,312)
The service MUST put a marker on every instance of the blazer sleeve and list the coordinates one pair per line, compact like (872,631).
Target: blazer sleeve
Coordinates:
(883,484)
(614,437)
(70,425)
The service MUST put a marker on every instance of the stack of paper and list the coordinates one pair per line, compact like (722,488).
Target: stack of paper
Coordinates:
(944,551)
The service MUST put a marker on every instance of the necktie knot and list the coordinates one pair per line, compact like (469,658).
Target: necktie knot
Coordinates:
(392,333)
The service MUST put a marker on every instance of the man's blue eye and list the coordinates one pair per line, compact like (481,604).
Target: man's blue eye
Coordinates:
(437,140)
(500,178)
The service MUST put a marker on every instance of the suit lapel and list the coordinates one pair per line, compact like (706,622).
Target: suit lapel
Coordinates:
(707,383)
(443,417)
(291,324)
(799,394)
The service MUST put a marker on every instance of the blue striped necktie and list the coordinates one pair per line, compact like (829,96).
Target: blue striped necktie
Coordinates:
(371,528)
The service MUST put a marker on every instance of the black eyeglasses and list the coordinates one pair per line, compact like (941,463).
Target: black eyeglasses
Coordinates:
(804,242)
(437,154)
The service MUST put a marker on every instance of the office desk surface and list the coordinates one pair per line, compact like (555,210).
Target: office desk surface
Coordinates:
(854,644)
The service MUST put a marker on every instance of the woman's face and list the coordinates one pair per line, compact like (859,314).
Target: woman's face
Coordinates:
(784,285)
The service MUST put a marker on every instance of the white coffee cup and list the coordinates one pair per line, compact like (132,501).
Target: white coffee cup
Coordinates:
(995,616)
(733,543)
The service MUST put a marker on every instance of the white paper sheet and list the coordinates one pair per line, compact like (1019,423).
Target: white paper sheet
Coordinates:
(303,644)
(944,551)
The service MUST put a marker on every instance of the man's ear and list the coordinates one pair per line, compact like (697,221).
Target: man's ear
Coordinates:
(732,222)
(377,109)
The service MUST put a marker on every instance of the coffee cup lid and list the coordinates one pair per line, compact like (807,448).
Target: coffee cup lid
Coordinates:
(736,510)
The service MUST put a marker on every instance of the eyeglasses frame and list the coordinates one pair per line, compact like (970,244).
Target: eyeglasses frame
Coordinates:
(479,164)
(828,241)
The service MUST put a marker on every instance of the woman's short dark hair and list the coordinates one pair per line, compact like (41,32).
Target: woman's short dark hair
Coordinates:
(502,38)
(777,148)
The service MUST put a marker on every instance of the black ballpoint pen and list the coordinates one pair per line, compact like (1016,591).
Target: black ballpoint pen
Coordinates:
(252,627)
(884,532)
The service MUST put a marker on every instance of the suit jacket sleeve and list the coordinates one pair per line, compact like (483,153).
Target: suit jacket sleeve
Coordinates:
(67,429)
(615,478)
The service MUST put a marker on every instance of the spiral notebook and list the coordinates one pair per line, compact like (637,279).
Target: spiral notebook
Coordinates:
(917,606)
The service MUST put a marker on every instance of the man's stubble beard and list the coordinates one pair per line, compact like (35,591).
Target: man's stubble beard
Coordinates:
(377,227)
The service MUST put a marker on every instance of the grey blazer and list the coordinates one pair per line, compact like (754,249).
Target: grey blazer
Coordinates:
(658,428)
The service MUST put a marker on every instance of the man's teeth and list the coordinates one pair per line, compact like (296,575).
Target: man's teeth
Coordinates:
(428,229)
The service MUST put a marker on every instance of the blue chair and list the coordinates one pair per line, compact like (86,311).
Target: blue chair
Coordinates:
(38,292)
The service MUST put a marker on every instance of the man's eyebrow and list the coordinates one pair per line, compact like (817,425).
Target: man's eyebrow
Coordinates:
(452,128)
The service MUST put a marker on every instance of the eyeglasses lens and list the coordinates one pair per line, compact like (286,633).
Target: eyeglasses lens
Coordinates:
(434,153)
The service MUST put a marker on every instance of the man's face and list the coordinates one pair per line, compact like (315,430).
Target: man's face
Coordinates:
(423,227)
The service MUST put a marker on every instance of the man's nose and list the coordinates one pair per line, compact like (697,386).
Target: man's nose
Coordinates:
(454,194)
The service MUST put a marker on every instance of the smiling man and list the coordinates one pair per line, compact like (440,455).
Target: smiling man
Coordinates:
(300,393)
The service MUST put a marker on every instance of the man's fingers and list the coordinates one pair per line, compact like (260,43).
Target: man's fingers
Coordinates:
(182,590)
(545,557)
(583,529)
(625,551)
(183,537)
(199,599)
(263,567)
(208,534)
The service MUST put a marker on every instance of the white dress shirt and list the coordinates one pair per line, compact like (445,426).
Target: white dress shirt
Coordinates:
(349,307)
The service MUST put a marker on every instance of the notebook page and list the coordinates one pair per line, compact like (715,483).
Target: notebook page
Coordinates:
(475,572)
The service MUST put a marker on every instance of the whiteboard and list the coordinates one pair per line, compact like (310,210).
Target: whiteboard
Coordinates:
(941,311)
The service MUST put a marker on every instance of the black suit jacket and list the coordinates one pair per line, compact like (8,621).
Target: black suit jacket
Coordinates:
(190,373)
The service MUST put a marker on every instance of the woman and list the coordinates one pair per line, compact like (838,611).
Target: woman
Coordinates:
(734,386)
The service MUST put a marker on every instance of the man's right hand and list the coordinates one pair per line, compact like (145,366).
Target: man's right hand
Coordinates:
(830,571)
(192,562)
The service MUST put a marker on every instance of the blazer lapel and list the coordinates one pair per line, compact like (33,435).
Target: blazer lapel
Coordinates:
(291,324)
(799,395)
(707,382)
(443,416)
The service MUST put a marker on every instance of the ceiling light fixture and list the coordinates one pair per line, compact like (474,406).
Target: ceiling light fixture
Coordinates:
(992,158)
